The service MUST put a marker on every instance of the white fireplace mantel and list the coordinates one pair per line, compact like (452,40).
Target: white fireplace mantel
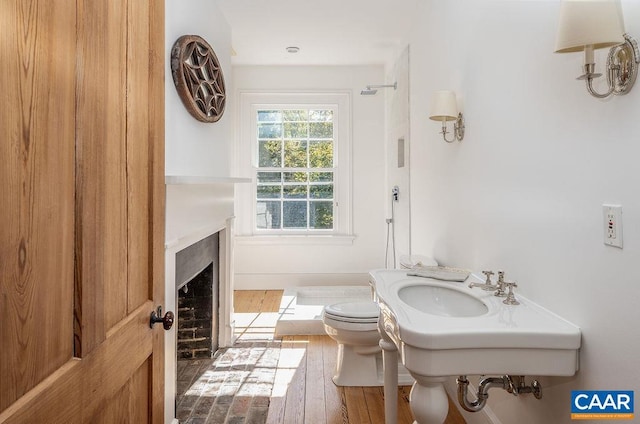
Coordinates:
(197,206)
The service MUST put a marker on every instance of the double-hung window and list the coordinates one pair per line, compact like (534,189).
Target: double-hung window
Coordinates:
(295,169)
(299,165)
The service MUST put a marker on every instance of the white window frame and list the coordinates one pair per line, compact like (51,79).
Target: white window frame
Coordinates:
(246,158)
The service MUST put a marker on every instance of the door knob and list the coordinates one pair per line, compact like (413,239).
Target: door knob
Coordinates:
(166,320)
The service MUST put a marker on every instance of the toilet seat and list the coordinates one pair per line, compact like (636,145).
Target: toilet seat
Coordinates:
(344,324)
(352,316)
(365,311)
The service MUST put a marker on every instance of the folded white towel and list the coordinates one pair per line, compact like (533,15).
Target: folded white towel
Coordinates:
(440,273)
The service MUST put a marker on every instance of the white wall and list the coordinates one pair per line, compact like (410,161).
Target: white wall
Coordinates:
(524,191)
(283,265)
(194,147)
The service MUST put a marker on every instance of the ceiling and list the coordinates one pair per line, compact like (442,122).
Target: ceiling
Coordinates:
(328,32)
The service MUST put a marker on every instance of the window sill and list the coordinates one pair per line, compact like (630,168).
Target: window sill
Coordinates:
(291,239)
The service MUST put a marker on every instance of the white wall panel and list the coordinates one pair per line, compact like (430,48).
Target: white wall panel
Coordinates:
(524,191)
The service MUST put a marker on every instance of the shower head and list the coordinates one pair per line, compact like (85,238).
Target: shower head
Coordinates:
(370,90)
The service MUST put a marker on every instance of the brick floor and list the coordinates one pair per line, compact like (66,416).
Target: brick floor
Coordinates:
(233,387)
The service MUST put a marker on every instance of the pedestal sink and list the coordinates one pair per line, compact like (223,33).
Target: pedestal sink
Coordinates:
(444,329)
(441,301)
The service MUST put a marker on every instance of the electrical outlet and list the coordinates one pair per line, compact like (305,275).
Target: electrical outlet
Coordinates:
(612,216)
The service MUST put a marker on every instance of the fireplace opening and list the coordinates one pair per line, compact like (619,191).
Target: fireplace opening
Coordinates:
(197,284)
(197,317)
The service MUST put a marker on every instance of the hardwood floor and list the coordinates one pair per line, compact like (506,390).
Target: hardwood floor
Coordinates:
(303,391)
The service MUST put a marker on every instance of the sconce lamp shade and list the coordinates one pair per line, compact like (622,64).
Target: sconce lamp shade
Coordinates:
(596,23)
(444,106)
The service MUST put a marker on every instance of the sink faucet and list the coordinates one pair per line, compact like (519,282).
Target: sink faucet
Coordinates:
(500,285)
(487,285)
(511,299)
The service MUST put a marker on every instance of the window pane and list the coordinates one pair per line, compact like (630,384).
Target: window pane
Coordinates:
(295,115)
(269,116)
(321,215)
(321,115)
(321,191)
(296,129)
(321,129)
(295,215)
(295,177)
(270,153)
(295,191)
(268,214)
(269,191)
(269,130)
(296,141)
(295,154)
(321,154)
(269,177)
(321,176)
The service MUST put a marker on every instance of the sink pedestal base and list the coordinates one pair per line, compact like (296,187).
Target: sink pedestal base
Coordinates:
(390,365)
(428,400)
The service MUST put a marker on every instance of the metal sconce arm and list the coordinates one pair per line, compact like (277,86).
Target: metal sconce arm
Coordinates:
(458,129)
(622,69)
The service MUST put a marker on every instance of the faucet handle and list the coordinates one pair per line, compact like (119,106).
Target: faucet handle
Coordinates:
(500,284)
(511,299)
(488,274)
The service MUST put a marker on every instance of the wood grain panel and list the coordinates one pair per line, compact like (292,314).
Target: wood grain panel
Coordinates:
(129,404)
(139,396)
(80,390)
(101,229)
(116,409)
(110,370)
(157,141)
(37,150)
(83,181)
(115,192)
(138,150)
(43,403)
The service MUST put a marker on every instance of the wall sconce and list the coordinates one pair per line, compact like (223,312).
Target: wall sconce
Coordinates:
(587,25)
(444,107)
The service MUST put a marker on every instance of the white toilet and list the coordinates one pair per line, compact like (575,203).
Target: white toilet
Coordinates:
(354,326)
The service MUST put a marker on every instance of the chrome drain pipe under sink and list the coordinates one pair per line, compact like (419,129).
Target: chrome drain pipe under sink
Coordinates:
(506,382)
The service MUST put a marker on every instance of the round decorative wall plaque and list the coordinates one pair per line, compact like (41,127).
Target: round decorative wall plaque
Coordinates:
(197,75)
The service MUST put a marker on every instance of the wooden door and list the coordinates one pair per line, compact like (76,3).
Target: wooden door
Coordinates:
(81,210)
